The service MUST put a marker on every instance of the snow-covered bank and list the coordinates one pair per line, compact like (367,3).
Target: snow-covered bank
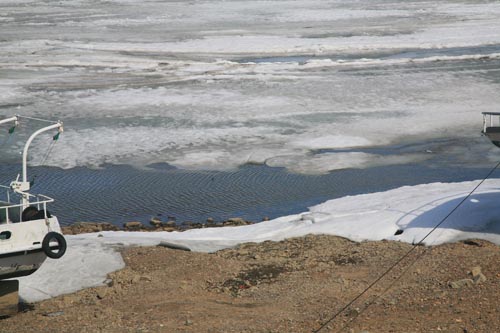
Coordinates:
(415,209)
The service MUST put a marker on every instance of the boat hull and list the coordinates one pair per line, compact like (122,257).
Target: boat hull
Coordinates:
(21,250)
(493,133)
(17,264)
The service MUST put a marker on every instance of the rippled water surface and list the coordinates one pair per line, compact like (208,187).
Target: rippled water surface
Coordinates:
(120,193)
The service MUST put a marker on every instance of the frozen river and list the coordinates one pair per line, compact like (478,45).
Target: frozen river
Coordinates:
(311,87)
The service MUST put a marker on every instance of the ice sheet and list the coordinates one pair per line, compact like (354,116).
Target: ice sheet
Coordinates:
(415,210)
(140,82)
(224,125)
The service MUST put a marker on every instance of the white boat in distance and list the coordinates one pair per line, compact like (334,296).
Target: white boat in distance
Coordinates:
(28,232)
(491,127)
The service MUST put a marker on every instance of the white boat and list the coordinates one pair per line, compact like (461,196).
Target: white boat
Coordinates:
(28,232)
(491,127)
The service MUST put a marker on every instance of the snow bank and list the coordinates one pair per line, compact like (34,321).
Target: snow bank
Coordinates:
(415,209)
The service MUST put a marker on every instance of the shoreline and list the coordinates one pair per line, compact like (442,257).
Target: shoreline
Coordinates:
(406,215)
(155,226)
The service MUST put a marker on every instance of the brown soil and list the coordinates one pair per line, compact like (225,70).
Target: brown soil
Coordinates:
(290,286)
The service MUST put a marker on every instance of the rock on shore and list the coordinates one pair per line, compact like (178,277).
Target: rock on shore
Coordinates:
(88,227)
(155,225)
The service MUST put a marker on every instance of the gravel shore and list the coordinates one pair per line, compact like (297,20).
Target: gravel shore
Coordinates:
(294,285)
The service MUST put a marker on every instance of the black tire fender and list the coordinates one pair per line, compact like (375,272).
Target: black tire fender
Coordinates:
(61,245)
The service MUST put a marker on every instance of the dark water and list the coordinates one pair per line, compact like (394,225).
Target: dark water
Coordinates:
(120,193)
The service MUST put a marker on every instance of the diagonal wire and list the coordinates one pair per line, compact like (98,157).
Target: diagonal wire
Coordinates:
(47,153)
(49,150)
(38,119)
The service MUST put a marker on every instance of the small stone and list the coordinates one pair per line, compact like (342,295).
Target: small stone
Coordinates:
(475,271)
(188,322)
(133,225)
(461,283)
(174,246)
(236,221)
(155,222)
(472,242)
(171,224)
(210,220)
(480,278)
(102,293)
(145,278)
(353,312)
(243,252)
(54,314)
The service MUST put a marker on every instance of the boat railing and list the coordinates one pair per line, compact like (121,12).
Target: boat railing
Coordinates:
(39,201)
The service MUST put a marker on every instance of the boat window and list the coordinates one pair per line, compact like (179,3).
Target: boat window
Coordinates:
(5,235)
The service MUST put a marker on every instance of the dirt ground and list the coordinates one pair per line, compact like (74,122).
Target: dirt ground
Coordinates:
(295,285)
